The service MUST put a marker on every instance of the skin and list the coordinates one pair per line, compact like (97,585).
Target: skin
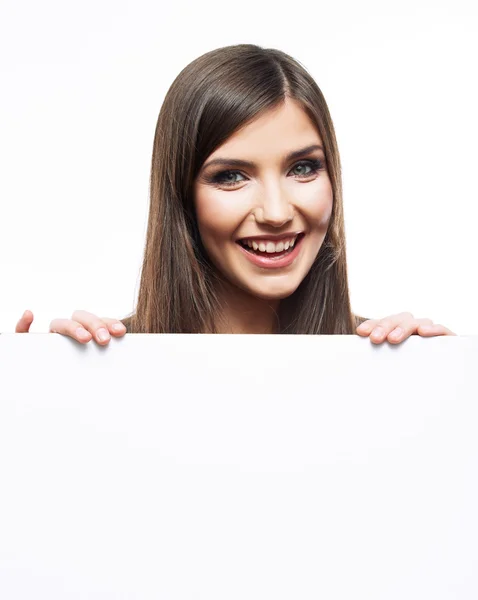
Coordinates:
(274,196)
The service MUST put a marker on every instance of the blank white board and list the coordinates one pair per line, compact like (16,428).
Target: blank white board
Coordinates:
(174,467)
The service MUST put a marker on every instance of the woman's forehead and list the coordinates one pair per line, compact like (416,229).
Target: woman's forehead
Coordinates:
(276,133)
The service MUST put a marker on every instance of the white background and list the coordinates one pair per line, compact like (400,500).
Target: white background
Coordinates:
(82,85)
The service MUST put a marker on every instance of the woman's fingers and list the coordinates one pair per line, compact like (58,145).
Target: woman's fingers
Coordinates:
(23,325)
(83,326)
(406,329)
(397,328)
(434,329)
(378,329)
(100,329)
(70,328)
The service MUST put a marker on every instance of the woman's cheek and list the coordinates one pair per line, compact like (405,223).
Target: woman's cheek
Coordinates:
(319,205)
(220,215)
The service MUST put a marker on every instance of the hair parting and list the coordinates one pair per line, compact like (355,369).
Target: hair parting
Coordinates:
(213,97)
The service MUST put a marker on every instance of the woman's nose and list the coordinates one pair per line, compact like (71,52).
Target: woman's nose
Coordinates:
(275,209)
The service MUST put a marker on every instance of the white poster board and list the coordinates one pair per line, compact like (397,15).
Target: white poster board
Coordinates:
(174,467)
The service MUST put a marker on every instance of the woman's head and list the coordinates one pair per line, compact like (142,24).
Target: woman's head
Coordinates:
(246,103)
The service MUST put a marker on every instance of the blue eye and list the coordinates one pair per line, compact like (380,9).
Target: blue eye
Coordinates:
(315,165)
(226,178)
(223,178)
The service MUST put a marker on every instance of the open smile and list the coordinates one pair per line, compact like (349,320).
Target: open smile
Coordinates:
(272,255)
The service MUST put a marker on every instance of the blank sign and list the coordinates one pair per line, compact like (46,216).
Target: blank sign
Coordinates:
(216,467)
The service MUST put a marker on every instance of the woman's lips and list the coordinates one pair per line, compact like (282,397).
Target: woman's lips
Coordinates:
(275,260)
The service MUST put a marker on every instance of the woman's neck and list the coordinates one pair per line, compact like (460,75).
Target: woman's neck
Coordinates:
(243,313)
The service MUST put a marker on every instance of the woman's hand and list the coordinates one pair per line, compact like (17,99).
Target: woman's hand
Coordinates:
(397,328)
(81,327)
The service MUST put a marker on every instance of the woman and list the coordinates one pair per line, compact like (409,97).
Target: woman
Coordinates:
(246,225)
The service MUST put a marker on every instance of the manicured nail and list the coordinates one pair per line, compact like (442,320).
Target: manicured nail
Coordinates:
(118,327)
(103,335)
(396,333)
(377,332)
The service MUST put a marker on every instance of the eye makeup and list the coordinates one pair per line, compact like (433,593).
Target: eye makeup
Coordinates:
(220,178)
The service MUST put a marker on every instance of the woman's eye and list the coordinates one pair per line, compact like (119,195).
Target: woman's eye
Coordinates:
(226,178)
(313,165)
(306,167)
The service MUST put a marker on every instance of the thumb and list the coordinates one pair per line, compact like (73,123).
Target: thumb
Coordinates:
(23,325)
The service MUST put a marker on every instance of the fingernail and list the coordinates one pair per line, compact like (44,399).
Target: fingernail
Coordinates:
(103,335)
(377,332)
(396,333)
(118,327)
(82,333)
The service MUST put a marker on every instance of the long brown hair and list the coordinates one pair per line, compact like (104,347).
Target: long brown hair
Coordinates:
(210,99)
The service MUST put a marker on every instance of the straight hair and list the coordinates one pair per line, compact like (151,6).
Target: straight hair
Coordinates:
(212,98)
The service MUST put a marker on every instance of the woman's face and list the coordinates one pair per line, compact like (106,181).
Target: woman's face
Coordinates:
(262,223)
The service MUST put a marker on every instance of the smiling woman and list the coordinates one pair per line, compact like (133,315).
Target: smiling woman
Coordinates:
(246,226)
(265,230)
(245,159)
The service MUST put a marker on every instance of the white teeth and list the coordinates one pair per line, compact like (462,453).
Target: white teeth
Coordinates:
(270,247)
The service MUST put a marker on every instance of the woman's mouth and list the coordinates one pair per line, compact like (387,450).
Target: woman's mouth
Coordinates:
(270,254)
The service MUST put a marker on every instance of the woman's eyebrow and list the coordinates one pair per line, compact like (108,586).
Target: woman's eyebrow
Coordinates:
(235,162)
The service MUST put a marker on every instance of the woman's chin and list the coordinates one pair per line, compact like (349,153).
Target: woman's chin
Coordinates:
(266,288)
(273,293)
